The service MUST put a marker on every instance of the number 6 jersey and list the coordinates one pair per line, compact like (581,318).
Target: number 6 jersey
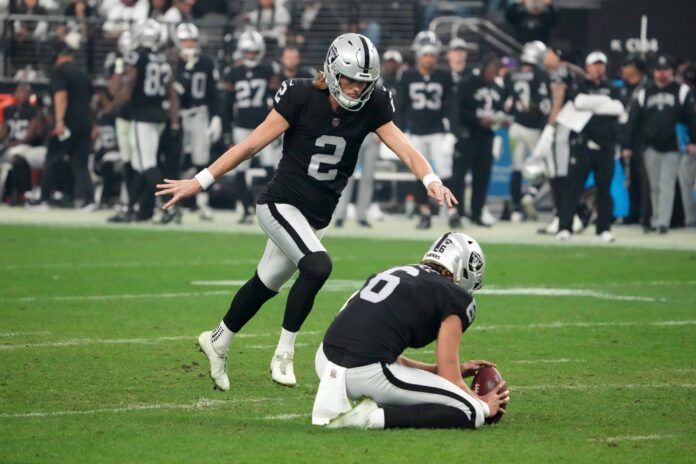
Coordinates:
(320,148)
(396,309)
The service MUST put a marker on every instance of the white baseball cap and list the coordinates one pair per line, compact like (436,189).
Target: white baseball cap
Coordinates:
(596,57)
(392,55)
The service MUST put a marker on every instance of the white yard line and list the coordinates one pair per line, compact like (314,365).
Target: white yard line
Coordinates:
(106,265)
(138,341)
(331,286)
(203,403)
(288,416)
(150,341)
(21,334)
(632,438)
(615,386)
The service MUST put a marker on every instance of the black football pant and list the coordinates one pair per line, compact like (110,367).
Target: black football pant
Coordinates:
(640,209)
(459,167)
(478,156)
(583,161)
(77,148)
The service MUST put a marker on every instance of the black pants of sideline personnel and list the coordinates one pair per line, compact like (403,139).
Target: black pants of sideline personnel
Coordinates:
(77,149)
(640,209)
(583,161)
(477,155)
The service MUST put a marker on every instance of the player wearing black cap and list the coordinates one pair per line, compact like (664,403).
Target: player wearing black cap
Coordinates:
(633,78)
(660,106)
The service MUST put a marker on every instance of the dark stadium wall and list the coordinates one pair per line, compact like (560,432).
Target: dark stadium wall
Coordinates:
(615,27)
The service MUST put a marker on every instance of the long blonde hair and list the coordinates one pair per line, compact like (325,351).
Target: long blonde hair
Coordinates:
(319,82)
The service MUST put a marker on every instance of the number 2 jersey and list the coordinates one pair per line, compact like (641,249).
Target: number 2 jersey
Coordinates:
(150,92)
(396,309)
(320,148)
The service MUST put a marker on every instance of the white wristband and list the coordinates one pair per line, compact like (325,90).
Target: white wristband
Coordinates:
(486,409)
(205,178)
(430,178)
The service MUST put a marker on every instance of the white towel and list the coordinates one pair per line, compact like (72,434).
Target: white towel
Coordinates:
(332,398)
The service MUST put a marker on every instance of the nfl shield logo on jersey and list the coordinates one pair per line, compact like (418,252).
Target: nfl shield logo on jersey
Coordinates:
(335,122)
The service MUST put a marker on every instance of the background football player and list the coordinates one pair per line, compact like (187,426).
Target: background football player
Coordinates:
(116,70)
(147,85)
(20,144)
(403,307)
(325,121)
(196,80)
(426,107)
(248,85)
(529,103)
(480,103)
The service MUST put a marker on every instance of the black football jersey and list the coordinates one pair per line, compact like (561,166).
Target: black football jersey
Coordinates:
(124,111)
(562,76)
(531,98)
(320,149)
(197,86)
(150,92)
(248,90)
(399,308)
(18,119)
(424,101)
(476,99)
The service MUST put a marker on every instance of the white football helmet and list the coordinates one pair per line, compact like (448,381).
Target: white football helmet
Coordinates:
(533,53)
(125,43)
(187,31)
(535,170)
(149,34)
(353,56)
(462,256)
(426,42)
(251,42)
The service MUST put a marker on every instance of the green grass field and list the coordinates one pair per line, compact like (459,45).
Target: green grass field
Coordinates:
(98,360)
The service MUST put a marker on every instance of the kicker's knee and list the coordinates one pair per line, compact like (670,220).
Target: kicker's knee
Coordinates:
(317,265)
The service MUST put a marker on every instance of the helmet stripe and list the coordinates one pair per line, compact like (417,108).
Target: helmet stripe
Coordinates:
(367,53)
(444,237)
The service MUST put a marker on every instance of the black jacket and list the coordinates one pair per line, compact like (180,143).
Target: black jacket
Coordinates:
(656,113)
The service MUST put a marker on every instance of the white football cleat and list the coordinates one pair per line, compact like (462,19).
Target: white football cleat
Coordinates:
(282,370)
(578,226)
(218,363)
(486,217)
(563,236)
(516,217)
(606,237)
(358,417)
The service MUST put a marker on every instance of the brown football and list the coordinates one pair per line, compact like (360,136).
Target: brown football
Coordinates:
(484,381)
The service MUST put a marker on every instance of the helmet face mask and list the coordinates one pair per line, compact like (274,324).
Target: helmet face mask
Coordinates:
(251,48)
(355,57)
(461,255)
(187,36)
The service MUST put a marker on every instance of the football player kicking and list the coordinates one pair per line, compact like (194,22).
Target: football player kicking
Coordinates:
(325,121)
(407,307)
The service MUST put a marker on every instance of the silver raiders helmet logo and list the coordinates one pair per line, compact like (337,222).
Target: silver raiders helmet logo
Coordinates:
(475,262)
